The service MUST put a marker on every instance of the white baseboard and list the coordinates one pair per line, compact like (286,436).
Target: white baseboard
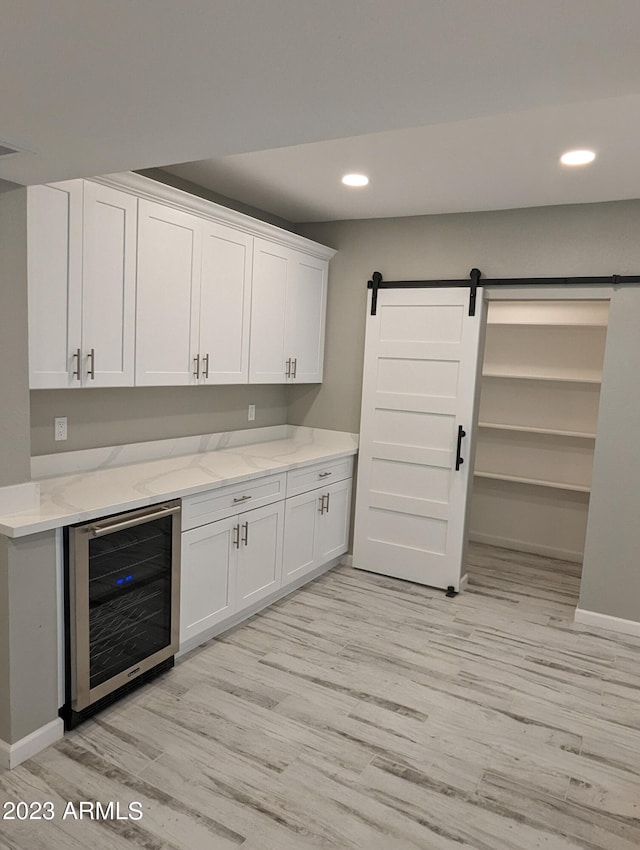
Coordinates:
(464,581)
(347,560)
(11,755)
(605,621)
(524,546)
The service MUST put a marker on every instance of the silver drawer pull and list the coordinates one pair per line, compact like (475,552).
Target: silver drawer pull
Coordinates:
(324,474)
(241,499)
(321,508)
(92,368)
(245,538)
(236,536)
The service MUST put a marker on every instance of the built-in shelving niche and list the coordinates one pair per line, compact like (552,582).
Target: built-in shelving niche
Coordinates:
(537,424)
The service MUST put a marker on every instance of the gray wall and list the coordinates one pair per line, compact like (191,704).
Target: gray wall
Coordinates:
(28,635)
(589,239)
(594,239)
(110,417)
(209,195)
(14,393)
(611,568)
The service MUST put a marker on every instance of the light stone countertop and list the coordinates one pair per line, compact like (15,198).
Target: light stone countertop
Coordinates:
(90,494)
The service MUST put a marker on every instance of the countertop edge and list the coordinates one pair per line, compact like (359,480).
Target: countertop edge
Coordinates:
(37,526)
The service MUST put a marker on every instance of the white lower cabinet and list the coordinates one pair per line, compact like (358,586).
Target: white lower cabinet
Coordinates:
(316,529)
(232,563)
(207,587)
(299,544)
(332,526)
(259,554)
(228,565)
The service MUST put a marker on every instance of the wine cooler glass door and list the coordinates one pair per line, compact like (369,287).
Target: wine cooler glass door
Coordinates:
(126,609)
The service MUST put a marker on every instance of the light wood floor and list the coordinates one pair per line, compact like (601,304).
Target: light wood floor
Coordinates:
(365,712)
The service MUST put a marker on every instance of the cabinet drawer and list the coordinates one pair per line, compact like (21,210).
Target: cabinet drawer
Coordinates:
(318,475)
(211,505)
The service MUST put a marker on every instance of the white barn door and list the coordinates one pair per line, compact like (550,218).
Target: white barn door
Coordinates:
(415,464)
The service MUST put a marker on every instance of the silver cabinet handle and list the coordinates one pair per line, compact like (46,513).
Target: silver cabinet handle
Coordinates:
(245,539)
(236,536)
(100,528)
(324,474)
(288,372)
(328,495)
(76,357)
(92,367)
(196,360)
(241,498)
(205,366)
(295,367)
(321,508)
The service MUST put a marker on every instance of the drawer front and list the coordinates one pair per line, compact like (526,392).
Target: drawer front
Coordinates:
(212,505)
(318,475)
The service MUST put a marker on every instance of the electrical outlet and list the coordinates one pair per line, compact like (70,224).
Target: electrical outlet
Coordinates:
(252,413)
(60,428)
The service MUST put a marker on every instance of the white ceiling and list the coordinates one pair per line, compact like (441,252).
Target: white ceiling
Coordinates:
(447,104)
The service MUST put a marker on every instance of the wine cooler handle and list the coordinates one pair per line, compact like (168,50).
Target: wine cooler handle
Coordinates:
(100,529)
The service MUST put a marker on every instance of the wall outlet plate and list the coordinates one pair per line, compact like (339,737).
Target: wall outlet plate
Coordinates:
(60,428)
(252,413)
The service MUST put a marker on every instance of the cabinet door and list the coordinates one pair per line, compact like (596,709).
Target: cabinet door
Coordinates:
(306,313)
(271,268)
(225,304)
(108,286)
(54,227)
(207,584)
(301,515)
(259,570)
(169,257)
(332,530)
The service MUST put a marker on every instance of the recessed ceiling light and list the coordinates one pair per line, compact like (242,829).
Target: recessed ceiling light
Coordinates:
(577,157)
(355,179)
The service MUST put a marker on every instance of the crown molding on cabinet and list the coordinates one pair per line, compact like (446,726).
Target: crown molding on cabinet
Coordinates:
(153,190)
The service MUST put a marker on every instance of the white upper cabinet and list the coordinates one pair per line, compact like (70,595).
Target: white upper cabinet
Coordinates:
(54,228)
(109,287)
(287,315)
(81,271)
(271,271)
(306,314)
(168,301)
(194,299)
(225,304)
(135,283)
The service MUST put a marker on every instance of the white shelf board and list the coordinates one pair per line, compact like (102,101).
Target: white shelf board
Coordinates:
(528,429)
(516,479)
(543,313)
(496,324)
(561,378)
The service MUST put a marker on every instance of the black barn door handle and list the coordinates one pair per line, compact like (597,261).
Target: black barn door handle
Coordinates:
(459,459)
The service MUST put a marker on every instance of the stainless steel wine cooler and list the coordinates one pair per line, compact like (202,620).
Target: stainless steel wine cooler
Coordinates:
(123,604)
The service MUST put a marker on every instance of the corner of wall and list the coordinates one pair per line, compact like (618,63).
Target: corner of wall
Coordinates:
(14,353)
